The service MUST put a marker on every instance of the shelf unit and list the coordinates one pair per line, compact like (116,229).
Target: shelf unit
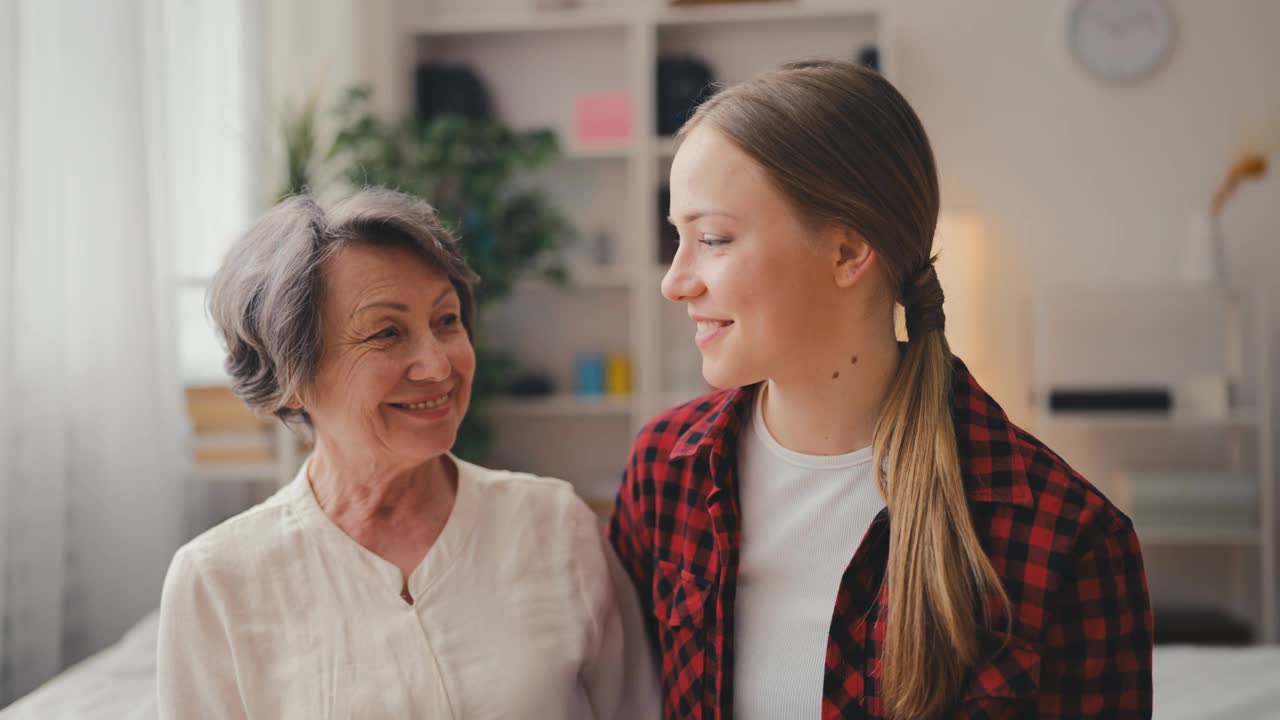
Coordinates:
(231,446)
(1238,442)
(564,405)
(423,21)
(1238,419)
(534,63)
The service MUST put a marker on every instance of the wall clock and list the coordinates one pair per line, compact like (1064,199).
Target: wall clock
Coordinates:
(1120,42)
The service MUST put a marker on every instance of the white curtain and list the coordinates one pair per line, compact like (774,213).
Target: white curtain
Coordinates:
(103,162)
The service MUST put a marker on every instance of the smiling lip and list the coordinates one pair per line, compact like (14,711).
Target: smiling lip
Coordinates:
(709,329)
(436,406)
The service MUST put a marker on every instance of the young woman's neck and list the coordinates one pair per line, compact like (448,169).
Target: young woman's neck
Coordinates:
(830,403)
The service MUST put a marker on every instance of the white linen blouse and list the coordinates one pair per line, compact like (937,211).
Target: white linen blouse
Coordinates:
(520,610)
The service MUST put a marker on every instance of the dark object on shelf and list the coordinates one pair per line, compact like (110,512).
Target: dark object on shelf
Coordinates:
(531,385)
(446,89)
(870,57)
(1198,626)
(602,249)
(684,82)
(668,238)
(687,3)
(1118,400)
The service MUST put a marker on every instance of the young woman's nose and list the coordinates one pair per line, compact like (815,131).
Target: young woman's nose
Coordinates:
(681,281)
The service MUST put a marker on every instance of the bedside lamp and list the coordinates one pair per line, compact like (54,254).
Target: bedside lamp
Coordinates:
(960,243)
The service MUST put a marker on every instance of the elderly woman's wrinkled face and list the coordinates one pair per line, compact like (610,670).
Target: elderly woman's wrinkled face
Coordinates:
(395,373)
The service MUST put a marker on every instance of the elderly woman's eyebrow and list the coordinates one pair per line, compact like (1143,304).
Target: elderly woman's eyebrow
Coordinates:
(401,307)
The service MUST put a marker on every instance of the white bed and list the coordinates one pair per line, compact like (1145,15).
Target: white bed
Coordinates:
(1191,683)
(118,683)
(1217,683)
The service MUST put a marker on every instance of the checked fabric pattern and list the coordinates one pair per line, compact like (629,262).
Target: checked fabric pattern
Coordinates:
(1070,562)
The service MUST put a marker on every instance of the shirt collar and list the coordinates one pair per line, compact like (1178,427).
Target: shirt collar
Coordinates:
(994,470)
(720,418)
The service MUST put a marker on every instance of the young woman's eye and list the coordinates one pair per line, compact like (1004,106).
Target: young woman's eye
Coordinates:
(713,240)
(386,333)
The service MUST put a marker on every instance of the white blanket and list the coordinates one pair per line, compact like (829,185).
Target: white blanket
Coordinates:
(118,683)
(1191,683)
(1204,683)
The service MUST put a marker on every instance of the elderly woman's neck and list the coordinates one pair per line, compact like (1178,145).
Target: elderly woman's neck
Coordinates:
(366,488)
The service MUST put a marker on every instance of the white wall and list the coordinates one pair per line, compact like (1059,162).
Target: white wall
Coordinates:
(1080,183)
(313,51)
(1084,184)
(1074,181)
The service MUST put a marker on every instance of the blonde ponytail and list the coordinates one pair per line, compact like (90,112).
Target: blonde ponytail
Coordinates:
(938,573)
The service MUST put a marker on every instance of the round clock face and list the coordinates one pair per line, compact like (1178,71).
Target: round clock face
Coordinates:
(1120,41)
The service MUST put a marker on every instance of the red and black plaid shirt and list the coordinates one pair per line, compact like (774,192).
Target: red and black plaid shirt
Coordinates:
(1069,560)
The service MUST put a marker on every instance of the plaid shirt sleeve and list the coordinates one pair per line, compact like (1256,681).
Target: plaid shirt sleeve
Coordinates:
(1095,653)
(630,533)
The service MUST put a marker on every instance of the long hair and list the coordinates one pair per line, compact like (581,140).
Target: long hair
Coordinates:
(846,149)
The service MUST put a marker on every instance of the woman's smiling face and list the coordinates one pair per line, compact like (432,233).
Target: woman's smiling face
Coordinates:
(396,367)
(751,273)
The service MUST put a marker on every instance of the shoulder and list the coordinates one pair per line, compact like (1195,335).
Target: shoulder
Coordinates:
(1030,488)
(659,437)
(241,538)
(541,520)
(1053,537)
(532,494)
(1072,560)
(215,568)
(1081,510)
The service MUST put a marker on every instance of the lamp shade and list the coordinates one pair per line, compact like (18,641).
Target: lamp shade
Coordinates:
(963,265)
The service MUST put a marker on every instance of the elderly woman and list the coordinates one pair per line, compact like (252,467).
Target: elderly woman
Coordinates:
(390,579)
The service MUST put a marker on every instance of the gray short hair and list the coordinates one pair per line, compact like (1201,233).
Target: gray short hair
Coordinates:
(265,299)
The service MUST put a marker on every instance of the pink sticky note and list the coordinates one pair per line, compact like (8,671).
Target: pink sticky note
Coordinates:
(602,118)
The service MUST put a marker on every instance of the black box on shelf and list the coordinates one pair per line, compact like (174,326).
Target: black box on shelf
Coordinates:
(1198,626)
(1116,400)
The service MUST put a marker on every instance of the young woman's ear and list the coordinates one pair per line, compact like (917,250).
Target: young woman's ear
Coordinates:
(852,258)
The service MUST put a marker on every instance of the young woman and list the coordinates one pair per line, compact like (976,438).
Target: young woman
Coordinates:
(853,527)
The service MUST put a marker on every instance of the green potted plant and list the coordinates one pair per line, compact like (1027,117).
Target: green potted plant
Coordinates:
(475,174)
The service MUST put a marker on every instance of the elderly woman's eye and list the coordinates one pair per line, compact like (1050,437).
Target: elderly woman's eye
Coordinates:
(384,334)
(450,320)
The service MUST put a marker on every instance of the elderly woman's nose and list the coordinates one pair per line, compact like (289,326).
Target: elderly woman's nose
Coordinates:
(430,362)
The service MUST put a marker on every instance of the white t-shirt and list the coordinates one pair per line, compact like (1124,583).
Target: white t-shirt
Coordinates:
(803,517)
(520,610)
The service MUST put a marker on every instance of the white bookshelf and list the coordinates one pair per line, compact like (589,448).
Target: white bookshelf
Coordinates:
(1224,537)
(564,405)
(766,13)
(422,21)
(1237,419)
(534,63)
(1203,331)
